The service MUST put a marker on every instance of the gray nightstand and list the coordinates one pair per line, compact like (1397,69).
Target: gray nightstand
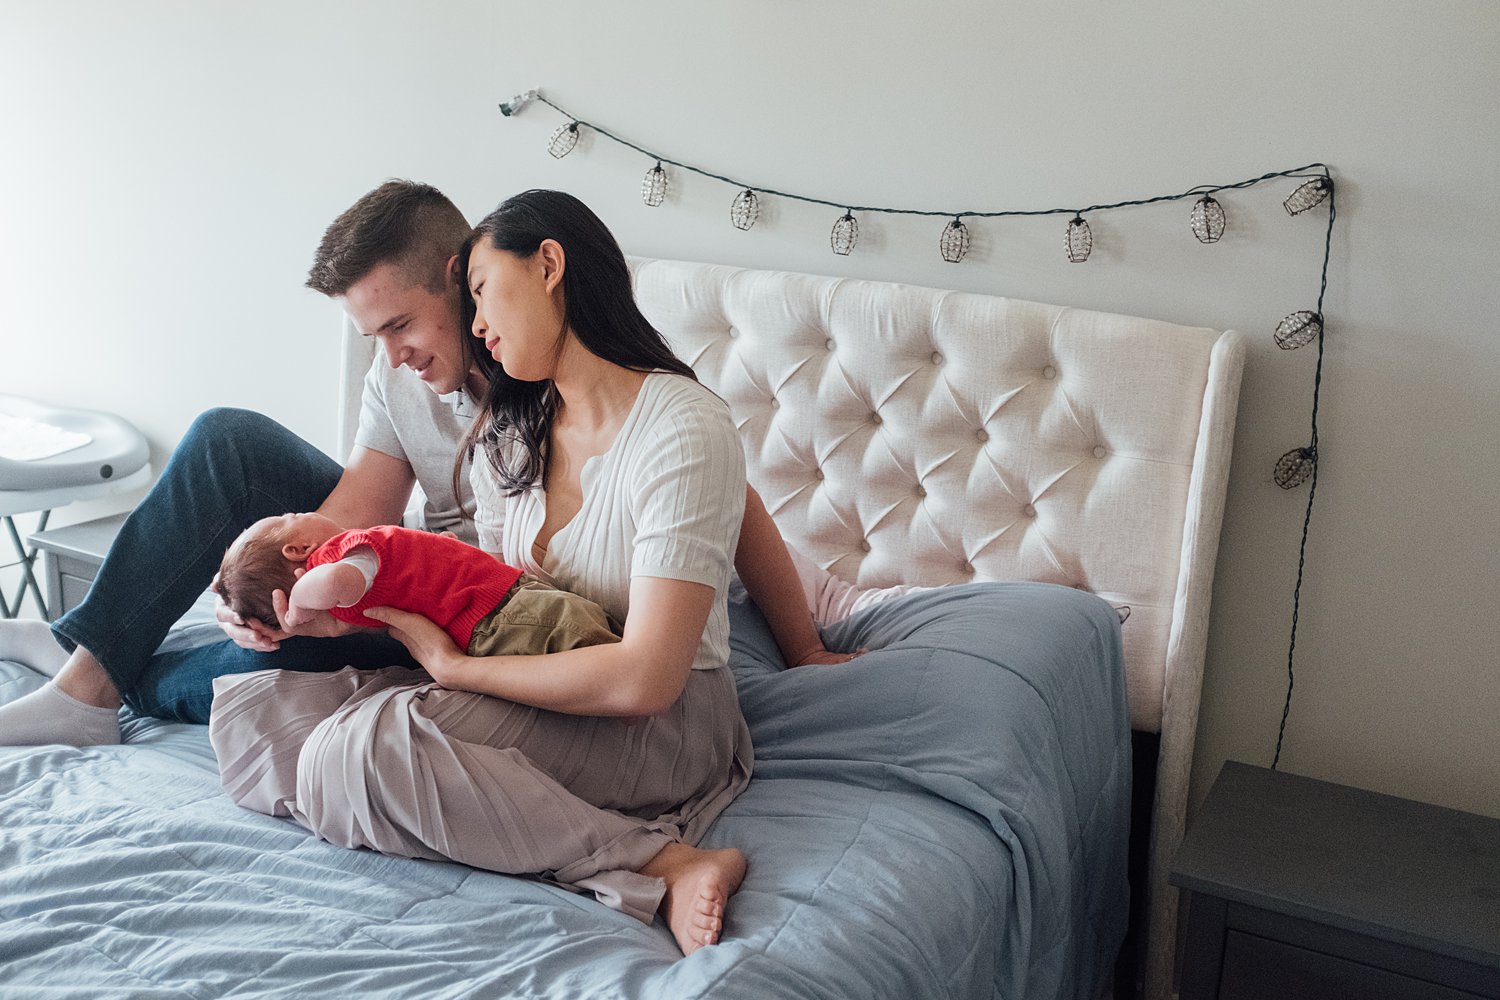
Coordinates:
(1304,889)
(71,558)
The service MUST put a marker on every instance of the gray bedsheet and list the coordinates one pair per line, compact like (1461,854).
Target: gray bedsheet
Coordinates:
(946,817)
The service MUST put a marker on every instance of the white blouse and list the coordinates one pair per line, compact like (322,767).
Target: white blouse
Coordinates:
(666,500)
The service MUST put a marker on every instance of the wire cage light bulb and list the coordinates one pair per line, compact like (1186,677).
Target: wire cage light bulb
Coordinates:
(1309,194)
(563,140)
(954,243)
(1298,329)
(745,209)
(845,233)
(1207,219)
(1080,240)
(1294,468)
(654,186)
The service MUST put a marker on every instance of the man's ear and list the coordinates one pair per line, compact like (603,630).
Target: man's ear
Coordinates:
(453,274)
(554,263)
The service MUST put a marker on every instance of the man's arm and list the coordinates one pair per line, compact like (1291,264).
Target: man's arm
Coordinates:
(374,489)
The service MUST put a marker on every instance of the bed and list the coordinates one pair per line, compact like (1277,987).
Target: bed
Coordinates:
(949,816)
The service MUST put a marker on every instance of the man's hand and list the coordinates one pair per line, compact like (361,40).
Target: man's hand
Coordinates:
(247,633)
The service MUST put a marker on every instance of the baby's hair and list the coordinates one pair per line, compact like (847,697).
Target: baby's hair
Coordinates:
(252,568)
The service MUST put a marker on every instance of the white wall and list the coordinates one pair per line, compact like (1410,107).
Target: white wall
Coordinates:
(170,167)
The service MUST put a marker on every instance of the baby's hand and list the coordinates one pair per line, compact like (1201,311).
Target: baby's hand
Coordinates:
(298,620)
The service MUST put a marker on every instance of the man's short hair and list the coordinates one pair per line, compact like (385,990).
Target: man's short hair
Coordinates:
(413,226)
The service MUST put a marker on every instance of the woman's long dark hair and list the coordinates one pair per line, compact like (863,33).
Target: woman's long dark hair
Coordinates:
(598,305)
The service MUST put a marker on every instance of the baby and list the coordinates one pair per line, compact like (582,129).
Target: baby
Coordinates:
(486,606)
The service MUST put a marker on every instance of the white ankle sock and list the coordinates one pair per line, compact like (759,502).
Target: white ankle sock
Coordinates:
(30,642)
(48,716)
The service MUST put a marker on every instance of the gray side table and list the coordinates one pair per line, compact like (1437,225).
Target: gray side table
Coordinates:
(71,558)
(1301,889)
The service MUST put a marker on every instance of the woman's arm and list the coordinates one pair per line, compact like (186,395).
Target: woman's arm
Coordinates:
(642,674)
(766,569)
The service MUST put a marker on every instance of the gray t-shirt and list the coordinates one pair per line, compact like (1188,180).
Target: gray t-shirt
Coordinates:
(399,416)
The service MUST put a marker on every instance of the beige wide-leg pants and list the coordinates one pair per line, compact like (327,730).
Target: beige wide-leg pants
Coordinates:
(389,760)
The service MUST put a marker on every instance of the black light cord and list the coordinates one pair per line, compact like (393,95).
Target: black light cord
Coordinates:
(1312,490)
(1317,169)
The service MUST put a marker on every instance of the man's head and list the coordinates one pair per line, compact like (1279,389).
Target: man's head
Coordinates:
(266,557)
(392,259)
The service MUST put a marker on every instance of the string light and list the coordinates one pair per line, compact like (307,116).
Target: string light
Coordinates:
(510,107)
(1294,468)
(1080,240)
(745,209)
(1207,222)
(563,140)
(1207,219)
(954,243)
(845,233)
(654,186)
(1298,329)
(1309,194)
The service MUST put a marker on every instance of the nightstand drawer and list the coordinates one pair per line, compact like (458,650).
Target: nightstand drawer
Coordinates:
(1257,968)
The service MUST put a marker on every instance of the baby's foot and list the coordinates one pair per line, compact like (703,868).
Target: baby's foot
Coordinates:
(699,884)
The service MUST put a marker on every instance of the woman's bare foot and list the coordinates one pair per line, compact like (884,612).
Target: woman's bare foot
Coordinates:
(699,884)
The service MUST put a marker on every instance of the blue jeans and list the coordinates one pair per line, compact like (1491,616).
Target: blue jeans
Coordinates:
(232,468)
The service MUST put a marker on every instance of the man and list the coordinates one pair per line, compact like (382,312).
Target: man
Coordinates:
(391,260)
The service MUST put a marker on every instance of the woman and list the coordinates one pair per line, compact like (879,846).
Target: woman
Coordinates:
(607,470)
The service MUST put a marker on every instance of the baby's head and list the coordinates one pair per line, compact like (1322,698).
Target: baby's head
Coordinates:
(266,557)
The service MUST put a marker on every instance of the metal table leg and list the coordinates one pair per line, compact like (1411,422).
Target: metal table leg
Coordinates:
(28,578)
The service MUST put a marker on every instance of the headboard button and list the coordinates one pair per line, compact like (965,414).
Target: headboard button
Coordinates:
(937,358)
(968,568)
(874,418)
(1029,510)
(1099,451)
(1049,372)
(733,333)
(982,435)
(818,474)
(920,491)
(775,403)
(864,545)
(828,344)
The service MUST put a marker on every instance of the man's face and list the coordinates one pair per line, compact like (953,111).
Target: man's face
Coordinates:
(418,328)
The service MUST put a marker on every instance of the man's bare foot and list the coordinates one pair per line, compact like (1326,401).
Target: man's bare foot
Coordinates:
(699,884)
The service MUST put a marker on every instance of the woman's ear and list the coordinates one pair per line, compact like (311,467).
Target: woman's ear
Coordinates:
(554,263)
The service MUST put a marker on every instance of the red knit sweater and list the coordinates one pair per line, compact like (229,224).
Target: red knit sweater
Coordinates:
(449,581)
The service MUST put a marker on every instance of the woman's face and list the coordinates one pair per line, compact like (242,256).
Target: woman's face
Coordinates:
(518,310)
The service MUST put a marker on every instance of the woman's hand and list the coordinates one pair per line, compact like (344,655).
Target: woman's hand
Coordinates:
(428,644)
(821,654)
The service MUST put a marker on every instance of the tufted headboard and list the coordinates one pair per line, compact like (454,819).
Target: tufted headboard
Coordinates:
(912,435)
